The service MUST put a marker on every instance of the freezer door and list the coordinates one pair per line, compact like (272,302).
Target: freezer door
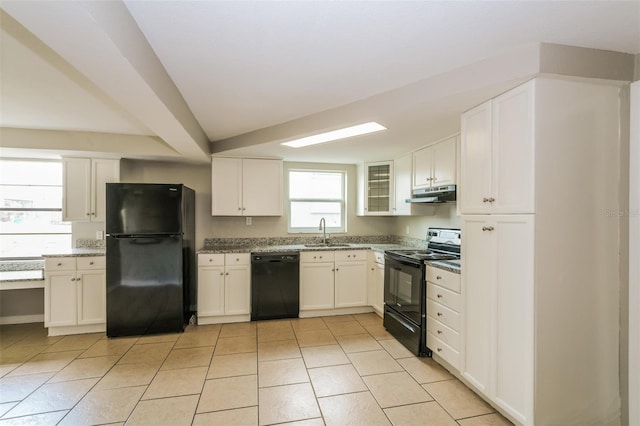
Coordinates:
(144,285)
(143,208)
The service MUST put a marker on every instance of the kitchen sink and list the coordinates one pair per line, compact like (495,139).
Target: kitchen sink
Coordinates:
(327,245)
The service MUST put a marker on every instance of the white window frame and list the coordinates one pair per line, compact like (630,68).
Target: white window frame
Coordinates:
(36,253)
(341,200)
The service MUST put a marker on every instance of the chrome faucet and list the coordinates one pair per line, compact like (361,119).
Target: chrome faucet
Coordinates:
(323,228)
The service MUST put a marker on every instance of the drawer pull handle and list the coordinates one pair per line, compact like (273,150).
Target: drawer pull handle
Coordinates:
(487,228)
(439,331)
(438,277)
(59,264)
(90,263)
(439,314)
(439,296)
(439,349)
(210,260)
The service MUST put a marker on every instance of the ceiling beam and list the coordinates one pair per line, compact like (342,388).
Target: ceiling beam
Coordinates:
(102,41)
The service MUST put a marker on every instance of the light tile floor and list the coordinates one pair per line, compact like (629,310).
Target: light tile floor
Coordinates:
(340,370)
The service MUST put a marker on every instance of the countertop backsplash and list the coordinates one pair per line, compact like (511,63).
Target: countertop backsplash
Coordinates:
(90,244)
(221,243)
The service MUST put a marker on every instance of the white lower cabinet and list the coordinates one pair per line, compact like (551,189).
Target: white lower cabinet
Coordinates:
(317,280)
(75,295)
(224,287)
(443,315)
(375,282)
(331,280)
(499,319)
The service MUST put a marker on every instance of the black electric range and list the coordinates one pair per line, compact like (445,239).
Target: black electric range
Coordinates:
(405,310)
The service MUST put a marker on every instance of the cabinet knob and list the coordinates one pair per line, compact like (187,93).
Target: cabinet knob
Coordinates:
(227,273)
(210,260)
(93,214)
(59,264)
(491,199)
(88,214)
(439,296)
(239,208)
(90,263)
(439,331)
(243,208)
(438,277)
(439,349)
(221,273)
(439,314)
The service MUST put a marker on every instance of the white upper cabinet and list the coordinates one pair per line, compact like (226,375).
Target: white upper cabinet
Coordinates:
(435,165)
(497,155)
(84,187)
(376,184)
(246,187)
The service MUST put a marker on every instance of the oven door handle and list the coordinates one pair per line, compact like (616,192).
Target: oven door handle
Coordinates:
(401,321)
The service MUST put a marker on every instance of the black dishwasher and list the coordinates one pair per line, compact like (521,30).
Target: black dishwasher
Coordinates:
(275,289)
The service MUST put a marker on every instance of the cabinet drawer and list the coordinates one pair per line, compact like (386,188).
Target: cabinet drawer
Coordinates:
(97,262)
(211,259)
(443,278)
(237,259)
(60,264)
(316,256)
(443,314)
(350,255)
(448,298)
(378,257)
(443,350)
(444,333)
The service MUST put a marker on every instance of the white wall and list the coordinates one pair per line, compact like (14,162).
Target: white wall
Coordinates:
(198,177)
(444,215)
(634,255)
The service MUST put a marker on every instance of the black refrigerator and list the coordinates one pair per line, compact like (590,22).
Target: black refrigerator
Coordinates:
(150,251)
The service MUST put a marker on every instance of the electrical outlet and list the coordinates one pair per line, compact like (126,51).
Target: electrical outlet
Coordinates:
(99,235)
(248,221)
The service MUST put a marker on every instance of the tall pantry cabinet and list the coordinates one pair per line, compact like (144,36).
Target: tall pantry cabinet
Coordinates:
(540,166)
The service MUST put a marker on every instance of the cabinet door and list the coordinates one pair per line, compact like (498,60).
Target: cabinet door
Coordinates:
(226,186)
(378,188)
(478,288)
(211,291)
(91,294)
(237,290)
(76,192)
(316,285)
(102,172)
(513,153)
(375,292)
(262,187)
(351,284)
(402,183)
(422,168)
(475,160)
(62,299)
(444,162)
(514,322)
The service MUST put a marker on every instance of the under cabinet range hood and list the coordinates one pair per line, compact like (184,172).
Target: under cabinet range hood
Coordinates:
(436,194)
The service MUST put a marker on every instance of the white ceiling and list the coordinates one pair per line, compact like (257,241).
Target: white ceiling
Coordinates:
(252,73)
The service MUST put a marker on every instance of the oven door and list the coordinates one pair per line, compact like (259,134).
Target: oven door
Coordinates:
(403,282)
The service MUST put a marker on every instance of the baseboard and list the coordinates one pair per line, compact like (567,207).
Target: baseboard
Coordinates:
(21,319)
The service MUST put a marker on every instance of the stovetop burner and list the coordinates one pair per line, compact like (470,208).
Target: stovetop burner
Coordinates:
(424,254)
(442,244)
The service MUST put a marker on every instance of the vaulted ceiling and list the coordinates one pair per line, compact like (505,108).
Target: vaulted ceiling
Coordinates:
(180,79)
